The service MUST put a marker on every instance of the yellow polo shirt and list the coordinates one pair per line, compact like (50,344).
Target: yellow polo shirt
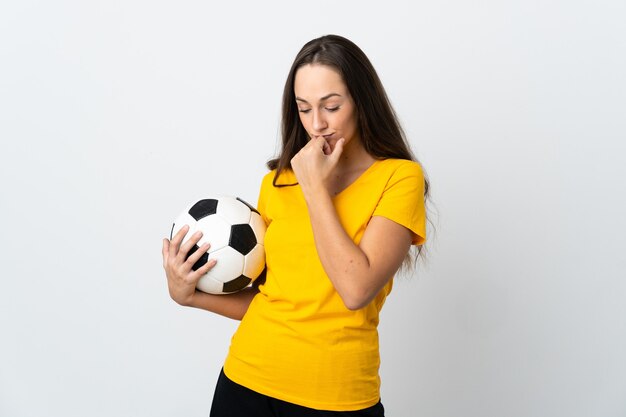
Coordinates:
(298,342)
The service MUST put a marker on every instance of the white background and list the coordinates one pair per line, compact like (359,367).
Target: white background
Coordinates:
(114,115)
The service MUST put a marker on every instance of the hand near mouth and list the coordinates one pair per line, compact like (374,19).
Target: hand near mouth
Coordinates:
(327,149)
(315,163)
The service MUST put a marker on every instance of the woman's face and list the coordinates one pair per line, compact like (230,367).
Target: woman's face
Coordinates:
(325,106)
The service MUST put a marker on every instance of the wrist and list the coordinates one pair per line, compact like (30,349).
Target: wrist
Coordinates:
(185,300)
(314,193)
(320,205)
(193,299)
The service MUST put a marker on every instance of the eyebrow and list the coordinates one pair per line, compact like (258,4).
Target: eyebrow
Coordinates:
(326,97)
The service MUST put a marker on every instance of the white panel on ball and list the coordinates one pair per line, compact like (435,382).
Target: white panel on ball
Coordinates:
(229,264)
(210,285)
(254,261)
(233,210)
(215,231)
(183,219)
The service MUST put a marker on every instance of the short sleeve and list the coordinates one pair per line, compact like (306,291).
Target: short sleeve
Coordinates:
(402,200)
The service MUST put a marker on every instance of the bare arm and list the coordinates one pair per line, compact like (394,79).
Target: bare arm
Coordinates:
(358,272)
(182,280)
(233,306)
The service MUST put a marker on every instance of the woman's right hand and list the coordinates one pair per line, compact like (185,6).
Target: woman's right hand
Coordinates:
(181,278)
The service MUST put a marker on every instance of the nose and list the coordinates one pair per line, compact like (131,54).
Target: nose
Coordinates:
(319,122)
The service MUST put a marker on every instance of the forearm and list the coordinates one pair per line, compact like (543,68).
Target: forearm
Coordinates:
(346,265)
(358,272)
(233,306)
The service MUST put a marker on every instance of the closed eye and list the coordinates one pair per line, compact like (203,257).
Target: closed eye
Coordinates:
(330,109)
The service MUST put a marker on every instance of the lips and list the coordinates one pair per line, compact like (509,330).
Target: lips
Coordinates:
(326,137)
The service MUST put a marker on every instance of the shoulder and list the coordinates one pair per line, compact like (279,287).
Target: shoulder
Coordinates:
(286,177)
(400,168)
(268,178)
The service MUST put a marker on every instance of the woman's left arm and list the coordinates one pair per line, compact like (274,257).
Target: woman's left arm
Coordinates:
(358,272)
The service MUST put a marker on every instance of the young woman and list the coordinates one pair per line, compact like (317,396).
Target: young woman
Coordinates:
(343,202)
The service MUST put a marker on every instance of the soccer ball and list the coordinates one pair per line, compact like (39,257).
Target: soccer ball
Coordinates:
(235,231)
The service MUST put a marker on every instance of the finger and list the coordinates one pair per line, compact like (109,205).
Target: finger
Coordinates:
(336,154)
(320,144)
(178,237)
(165,251)
(326,148)
(193,258)
(190,243)
(317,142)
(204,269)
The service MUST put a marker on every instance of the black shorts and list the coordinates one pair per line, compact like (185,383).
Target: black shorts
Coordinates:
(234,400)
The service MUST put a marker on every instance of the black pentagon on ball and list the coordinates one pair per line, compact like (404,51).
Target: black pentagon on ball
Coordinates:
(242,238)
(236,284)
(200,262)
(203,208)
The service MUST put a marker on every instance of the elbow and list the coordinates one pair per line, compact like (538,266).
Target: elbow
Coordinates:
(356,301)
(356,295)
(354,306)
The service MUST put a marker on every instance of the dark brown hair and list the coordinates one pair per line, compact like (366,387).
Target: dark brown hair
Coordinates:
(377,123)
